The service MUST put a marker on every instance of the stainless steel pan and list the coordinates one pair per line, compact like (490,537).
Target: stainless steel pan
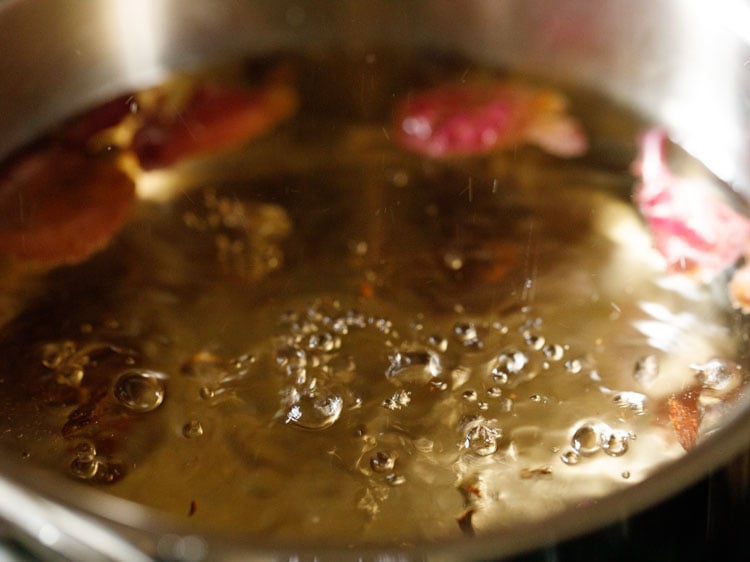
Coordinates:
(684,64)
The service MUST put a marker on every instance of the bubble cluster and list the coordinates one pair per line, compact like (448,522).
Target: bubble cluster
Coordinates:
(67,360)
(509,367)
(70,360)
(88,464)
(334,363)
(400,399)
(84,464)
(592,437)
(247,236)
(719,376)
(315,410)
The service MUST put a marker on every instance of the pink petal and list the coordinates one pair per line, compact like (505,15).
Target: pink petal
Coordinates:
(692,228)
(477,118)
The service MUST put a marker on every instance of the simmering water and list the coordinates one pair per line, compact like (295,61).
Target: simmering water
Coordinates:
(321,335)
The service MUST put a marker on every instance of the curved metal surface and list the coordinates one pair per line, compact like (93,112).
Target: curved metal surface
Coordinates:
(683,63)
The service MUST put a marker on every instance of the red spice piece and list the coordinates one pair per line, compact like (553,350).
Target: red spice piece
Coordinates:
(685,415)
(59,206)
(480,117)
(215,116)
(80,129)
(366,289)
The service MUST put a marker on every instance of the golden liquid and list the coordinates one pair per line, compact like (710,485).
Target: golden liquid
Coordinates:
(321,336)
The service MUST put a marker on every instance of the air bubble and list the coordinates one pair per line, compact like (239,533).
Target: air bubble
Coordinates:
(54,354)
(615,443)
(481,440)
(316,410)
(66,360)
(494,392)
(288,317)
(500,327)
(510,363)
(553,352)
(84,465)
(383,325)
(439,385)
(586,440)
(85,451)
(424,445)
(470,395)
(570,457)
(108,473)
(85,469)
(390,404)
(574,366)
(719,375)
(453,260)
(291,358)
(646,369)
(634,401)
(382,462)
(534,341)
(480,437)
(140,391)
(413,366)
(499,376)
(394,479)
(241,365)
(207,393)
(354,319)
(192,429)
(339,327)
(399,400)
(314,314)
(324,342)
(438,342)
(466,333)
(359,248)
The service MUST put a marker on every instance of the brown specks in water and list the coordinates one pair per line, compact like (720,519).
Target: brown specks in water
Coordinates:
(528,473)
(465,524)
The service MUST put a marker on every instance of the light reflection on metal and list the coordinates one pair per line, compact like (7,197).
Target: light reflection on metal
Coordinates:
(139,27)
